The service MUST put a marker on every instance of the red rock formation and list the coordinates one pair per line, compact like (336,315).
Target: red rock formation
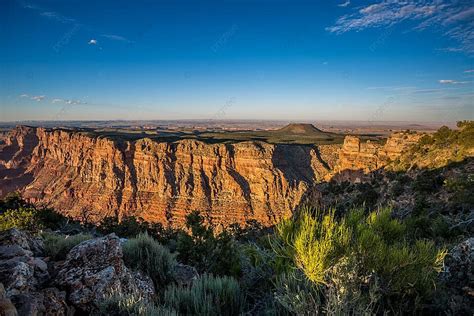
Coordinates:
(92,177)
(368,156)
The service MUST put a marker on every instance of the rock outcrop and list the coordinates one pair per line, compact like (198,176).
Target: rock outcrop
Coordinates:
(94,269)
(458,278)
(24,278)
(368,156)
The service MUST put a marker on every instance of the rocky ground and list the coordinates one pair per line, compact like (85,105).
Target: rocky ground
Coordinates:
(32,284)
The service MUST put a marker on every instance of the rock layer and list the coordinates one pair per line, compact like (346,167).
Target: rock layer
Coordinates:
(365,157)
(89,178)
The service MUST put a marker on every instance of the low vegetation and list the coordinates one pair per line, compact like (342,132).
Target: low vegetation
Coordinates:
(116,303)
(208,295)
(57,246)
(345,253)
(145,254)
(439,149)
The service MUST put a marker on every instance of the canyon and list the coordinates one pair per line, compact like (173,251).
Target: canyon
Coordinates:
(89,177)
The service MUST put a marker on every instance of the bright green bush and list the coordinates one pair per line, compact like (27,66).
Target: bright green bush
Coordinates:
(57,246)
(147,255)
(315,242)
(342,253)
(21,218)
(208,295)
(17,213)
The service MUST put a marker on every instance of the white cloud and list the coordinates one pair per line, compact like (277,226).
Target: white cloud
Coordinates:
(451,49)
(49,14)
(74,102)
(92,42)
(454,19)
(57,16)
(345,4)
(116,38)
(449,81)
(468,71)
(38,98)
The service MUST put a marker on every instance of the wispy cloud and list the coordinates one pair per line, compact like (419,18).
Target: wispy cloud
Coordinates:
(453,18)
(449,81)
(38,98)
(392,88)
(56,16)
(116,38)
(345,4)
(450,49)
(48,14)
(74,102)
(68,102)
(468,71)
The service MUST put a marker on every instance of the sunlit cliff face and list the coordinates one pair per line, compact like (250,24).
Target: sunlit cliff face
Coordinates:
(91,178)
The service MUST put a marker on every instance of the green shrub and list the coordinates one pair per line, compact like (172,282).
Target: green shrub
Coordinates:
(116,303)
(462,188)
(147,255)
(297,295)
(404,268)
(367,247)
(428,181)
(16,213)
(314,242)
(131,226)
(12,201)
(366,195)
(208,295)
(258,275)
(57,246)
(22,218)
(209,253)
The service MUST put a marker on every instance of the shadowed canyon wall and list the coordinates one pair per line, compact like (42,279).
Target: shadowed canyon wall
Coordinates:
(91,177)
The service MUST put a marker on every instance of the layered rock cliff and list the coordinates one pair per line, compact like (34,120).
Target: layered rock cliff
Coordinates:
(92,177)
(368,156)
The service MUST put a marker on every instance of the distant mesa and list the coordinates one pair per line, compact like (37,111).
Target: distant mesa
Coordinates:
(300,128)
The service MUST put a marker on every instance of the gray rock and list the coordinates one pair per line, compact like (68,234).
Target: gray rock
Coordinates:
(458,278)
(23,240)
(17,275)
(94,268)
(184,275)
(11,251)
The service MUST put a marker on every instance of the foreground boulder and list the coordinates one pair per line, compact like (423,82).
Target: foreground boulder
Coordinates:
(22,268)
(458,278)
(95,268)
(24,278)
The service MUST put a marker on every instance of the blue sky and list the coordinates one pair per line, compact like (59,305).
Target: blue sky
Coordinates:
(235,59)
